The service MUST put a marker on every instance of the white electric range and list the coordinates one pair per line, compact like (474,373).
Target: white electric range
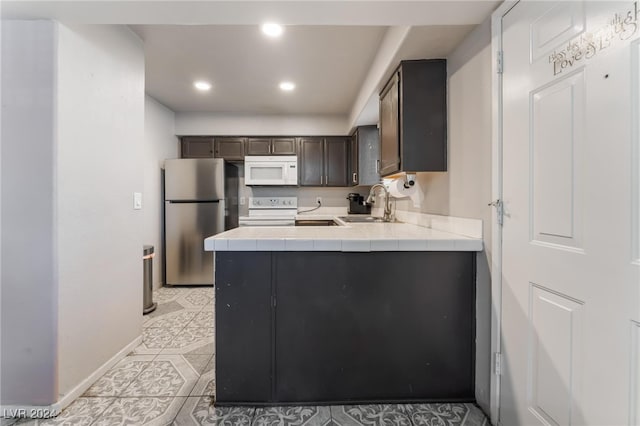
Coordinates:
(271,211)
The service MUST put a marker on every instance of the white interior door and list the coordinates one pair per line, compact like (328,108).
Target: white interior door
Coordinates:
(570,300)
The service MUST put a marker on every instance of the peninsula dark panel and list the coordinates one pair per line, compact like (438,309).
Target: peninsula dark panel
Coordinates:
(374,326)
(334,327)
(243,326)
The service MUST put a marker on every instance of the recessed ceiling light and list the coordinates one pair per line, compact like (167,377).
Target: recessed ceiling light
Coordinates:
(202,85)
(272,29)
(287,86)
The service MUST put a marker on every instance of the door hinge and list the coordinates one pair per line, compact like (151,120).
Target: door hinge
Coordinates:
(499,61)
(499,205)
(497,363)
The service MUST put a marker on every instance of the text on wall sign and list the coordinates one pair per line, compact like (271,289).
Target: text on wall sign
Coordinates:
(619,28)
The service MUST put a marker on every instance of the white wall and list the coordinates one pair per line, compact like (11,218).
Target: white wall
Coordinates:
(470,176)
(28,286)
(98,163)
(72,139)
(160,143)
(198,123)
(465,189)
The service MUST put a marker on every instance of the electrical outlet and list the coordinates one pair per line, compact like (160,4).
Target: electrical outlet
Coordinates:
(242,201)
(319,201)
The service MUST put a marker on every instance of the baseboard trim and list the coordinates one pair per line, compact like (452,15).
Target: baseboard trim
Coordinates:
(82,387)
(48,411)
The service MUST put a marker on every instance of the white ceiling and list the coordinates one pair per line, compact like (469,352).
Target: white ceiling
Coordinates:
(250,12)
(338,52)
(327,64)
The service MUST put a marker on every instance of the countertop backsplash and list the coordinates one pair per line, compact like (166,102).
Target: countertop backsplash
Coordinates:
(331,197)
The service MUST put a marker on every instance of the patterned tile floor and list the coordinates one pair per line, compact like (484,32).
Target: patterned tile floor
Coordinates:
(169,378)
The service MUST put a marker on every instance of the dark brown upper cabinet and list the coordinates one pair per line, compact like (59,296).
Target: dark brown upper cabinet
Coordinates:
(324,161)
(353,160)
(258,146)
(196,147)
(413,118)
(283,146)
(311,161)
(336,161)
(231,149)
(271,146)
(365,156)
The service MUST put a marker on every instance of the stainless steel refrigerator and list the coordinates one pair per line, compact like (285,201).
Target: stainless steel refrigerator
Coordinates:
(200,200)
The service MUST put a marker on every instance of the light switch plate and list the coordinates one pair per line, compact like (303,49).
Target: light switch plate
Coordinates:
(137,200)
(242,201)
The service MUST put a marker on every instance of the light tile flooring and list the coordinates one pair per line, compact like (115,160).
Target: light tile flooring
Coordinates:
(169,380)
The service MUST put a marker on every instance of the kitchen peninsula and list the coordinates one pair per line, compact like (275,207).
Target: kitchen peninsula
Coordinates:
(348,313)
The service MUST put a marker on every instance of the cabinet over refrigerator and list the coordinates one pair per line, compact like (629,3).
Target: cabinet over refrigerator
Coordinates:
(200,201)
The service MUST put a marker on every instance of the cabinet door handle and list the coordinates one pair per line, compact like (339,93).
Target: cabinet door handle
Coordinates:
(320,179)
(355,177)
(377,166)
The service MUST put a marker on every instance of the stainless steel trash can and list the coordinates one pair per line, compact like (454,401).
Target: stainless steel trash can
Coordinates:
(147,280)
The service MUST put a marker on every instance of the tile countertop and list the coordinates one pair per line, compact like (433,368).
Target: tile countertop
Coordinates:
(350,237)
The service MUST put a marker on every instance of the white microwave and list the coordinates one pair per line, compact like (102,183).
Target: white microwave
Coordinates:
(271,170)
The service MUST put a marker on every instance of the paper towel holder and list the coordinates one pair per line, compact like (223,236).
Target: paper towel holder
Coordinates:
(409,180)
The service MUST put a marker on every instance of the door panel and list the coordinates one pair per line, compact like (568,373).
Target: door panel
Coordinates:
(569,286)
(420,336)
(368,155)
(197,147)
(283,146)
(559,24)
(243,327)
(353,160)
(635,167)
(557,136)
(336,162)
(634,412)
(187,225)
(311,162)
(555,323)
(258,146)
(389,129)
(231,149)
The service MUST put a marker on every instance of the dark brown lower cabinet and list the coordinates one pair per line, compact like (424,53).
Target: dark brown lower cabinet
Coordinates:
(345,327)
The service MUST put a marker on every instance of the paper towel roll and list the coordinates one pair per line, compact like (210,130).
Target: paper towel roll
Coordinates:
(397,190)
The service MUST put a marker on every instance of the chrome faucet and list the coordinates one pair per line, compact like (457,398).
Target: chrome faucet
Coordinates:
(387,201)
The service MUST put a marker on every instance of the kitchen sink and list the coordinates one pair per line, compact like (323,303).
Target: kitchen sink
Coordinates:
(316,222)
(362,219)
